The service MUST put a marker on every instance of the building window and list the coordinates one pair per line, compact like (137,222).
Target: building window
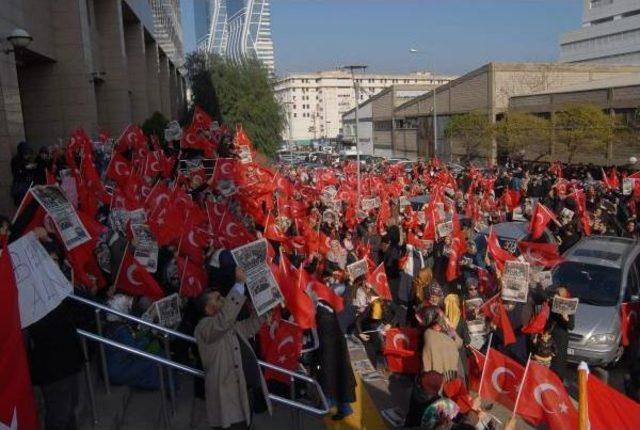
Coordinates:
(295,115)
(382,125)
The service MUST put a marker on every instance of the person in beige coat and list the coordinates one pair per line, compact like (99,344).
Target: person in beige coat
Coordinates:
(234,386)
(441,351)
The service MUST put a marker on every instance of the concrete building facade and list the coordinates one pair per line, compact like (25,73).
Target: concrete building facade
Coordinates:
(618,96)
(315,102)
(487,89)
(375,117)
(95,64)
(610,33)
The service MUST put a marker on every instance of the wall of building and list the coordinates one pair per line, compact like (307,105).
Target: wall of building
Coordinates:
(92,64)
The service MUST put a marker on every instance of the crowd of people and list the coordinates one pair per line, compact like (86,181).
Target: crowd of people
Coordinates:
(432,271)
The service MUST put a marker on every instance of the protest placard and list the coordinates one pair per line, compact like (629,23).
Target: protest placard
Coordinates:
(627,186)
(145,246)
(545,278)
(357,269)
(444,229)
(561,305)
(471,306)
(244,153)
(168,311)
(263,288)
(41,284)
(64,216)
(370,203)
(515,281)
(404,201)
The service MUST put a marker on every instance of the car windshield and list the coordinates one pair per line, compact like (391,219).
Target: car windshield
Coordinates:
(593,285)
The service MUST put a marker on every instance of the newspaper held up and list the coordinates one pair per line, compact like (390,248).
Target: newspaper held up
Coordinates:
(72,232)
(263,288)
(515,281)
(358,269)
(561,305)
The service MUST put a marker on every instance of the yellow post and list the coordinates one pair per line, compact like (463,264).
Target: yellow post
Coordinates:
(583,405)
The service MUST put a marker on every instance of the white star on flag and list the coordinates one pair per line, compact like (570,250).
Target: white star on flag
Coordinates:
(563,408)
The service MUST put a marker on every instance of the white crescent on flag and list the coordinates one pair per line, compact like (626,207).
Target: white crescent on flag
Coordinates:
(494,379)
(286,340)
(130,277)
(117,167)
(537,395)
(400,336)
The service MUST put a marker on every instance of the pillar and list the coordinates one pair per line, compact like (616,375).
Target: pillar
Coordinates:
(113,93)
(165,100)
(137,64)
(173,90)
(153,76)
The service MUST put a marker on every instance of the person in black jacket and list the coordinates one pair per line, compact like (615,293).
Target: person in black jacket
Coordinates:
(55,361)
(560,325)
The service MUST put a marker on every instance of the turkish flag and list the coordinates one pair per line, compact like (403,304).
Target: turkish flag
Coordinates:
(272,231)
(201,119)
(538,322)
(458,248)
(192,243)
(134,279)
(629,320)
(499,255)
(166,224)
(497,313)
(401,350)
(153,164)
(539,220)
(193,277)
(323,291)
(281,345)
(296,299)
(543,399)
(232,233)
(540,254)
(224,170)
(119,169)
(610,409)
(193,139)
(131,138)
(511,199)
(378,279)
(500,378)
(475,364)
(17,404)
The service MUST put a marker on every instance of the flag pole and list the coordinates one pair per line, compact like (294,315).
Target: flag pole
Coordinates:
(484,365)
(524,378)
(124,255)
(583,403)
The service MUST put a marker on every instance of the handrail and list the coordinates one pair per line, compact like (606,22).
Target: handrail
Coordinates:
(199,373)
(126,316)
(192,339)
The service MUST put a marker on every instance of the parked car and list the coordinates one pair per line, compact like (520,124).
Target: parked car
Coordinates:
(509,233)
(602,272)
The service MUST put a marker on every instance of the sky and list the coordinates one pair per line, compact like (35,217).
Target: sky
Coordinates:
(452,36)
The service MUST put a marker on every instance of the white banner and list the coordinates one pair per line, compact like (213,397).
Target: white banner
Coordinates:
(41,284)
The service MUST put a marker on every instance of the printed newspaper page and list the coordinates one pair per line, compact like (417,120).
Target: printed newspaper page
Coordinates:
(263,288)
(55,203)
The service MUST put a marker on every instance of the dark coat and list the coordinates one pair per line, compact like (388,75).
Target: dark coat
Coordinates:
(334,374)
(53,347)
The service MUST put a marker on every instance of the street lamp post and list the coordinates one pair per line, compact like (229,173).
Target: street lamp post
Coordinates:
(435,112)
(289,105)
(356,89)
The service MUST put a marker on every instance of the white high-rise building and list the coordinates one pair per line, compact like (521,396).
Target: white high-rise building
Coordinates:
(241,28)
(314,102)
(610,33)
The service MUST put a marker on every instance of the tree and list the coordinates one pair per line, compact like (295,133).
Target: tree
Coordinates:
(203,93)
(155,124)
(518,132)
(246,96)
(472,131)
(584,127)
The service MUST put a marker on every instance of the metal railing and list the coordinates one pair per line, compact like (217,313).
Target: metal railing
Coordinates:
(171,365)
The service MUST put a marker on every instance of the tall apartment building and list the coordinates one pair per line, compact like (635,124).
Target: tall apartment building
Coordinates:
(241,28)
(315,102)
(202,22)
(95,64)
(610,33)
